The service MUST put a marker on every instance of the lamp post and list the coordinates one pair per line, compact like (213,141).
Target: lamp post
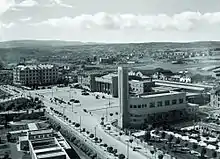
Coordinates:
(70,93)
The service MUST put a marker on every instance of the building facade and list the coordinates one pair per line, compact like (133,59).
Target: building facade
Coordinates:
(215,97)
(156,107)
(107,84)
(35,75)
(140,87)
(151,107)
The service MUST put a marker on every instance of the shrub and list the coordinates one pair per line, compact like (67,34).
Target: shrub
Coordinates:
(121,156)
(110,149)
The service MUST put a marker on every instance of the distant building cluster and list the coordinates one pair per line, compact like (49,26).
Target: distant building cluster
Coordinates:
(35,75)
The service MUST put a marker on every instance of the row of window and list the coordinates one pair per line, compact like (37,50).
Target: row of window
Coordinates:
(158,104)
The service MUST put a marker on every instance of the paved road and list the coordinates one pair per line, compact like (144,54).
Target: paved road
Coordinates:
(90,123)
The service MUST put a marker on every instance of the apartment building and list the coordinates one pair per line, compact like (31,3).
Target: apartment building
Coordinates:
(35,75)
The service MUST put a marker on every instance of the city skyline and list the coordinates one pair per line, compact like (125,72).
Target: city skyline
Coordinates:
(115,21)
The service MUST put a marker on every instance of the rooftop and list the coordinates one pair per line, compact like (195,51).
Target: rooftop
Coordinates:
(158,94)
(37,132)
(35,67)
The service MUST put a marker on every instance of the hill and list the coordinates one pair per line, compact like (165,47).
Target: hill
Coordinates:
(38,43)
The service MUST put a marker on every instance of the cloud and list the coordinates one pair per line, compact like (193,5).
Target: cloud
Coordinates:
(25,19)
(7,26)
(27,3)
(53,3)
(5,5)
(185,21)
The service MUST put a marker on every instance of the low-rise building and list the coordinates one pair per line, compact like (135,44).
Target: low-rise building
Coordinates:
(156,107)
(215,97)
(44,144)
(107,84)
(140,87)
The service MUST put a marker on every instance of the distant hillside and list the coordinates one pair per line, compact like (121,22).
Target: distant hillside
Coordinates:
(58,43)
(38,43)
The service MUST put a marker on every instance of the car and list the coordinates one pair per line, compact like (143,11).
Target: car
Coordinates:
(85,93)
(72,100)
(76,101)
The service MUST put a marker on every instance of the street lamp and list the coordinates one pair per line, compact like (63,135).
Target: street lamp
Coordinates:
(95,129)
(70,93)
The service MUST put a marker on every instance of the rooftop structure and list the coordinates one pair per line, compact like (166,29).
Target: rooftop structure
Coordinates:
(44,144)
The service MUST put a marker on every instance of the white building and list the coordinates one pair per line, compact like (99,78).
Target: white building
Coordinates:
(157,107)
(34,75)
(153,107)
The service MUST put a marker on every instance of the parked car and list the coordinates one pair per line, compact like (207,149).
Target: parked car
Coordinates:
(85,93)
(76,101)
(72,100)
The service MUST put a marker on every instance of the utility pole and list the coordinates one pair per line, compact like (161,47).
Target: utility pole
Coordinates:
(95,131)
(52,91)
(70,93)
(80,121)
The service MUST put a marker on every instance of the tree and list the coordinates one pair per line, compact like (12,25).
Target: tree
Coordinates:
(160,156)
(121,156)
(115,151)
(105,145)
(72,138)
(156,131)
(8,136)
(147,136)
(96,139)
(170,138)
(111,114)
(163,135)
(91,135)
(77,125)
(195,146)
(110,149)
(58,127)
(214,154)
(178,141)
(203,152)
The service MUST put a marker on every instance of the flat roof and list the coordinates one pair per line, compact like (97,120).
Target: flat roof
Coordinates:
(36,132)
(161,94)
(51,155)
(32,126)
(48,149)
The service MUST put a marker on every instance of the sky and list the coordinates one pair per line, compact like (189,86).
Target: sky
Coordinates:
(110,21)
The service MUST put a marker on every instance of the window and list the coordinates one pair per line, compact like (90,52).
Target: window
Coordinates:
(152,105)
(142,105)
(139,106)
(181,100)
(160,104)
(135,106)
(145,105)
(130,106)
(167,102)
(174,101)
